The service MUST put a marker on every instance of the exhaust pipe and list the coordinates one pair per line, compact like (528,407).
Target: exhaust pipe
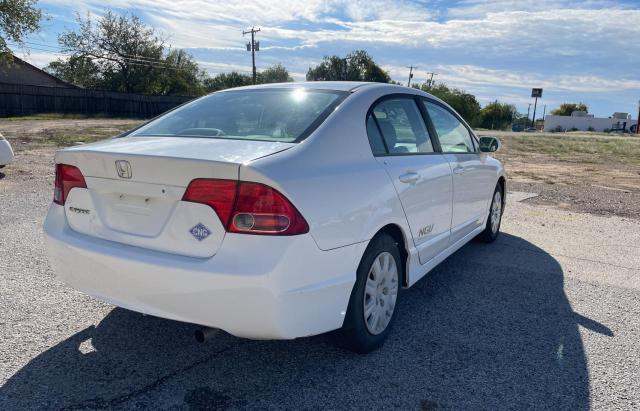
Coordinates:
(203,334)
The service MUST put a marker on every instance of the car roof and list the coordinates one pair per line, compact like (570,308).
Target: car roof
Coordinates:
(316,85)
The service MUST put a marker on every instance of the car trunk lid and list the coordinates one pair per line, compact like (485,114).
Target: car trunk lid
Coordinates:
(135,186)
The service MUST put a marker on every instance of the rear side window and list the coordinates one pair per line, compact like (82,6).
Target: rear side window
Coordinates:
(453,135)
(375,138)
(284,115)
(401,125)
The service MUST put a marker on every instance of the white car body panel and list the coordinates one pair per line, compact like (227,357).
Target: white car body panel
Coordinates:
(134,249)
(426,202)
(270,294)
(6,152)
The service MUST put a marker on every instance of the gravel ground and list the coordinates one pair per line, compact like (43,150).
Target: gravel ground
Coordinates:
(584,198)
(547,317)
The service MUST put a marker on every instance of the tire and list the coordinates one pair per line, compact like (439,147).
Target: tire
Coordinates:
(381,264)
(492,229)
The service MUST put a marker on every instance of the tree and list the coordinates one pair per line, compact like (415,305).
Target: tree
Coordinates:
(496,116)
(464,103)
(224,81)
(566,109)
(120,53)
(17,19)
(356,66)
(181,77)
(80,71)
(126,52)
(274,74)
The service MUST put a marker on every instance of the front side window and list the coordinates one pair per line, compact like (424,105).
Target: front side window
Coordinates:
(401,125)
(283,115)
(453,135)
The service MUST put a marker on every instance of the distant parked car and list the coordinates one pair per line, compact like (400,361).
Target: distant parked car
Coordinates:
(6,153)
(276,211)
(531,129)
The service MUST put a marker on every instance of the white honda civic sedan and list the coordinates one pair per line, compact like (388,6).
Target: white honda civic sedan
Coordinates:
(6,153)
(276,211)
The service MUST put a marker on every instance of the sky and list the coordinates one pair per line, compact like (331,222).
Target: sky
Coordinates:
(576,50)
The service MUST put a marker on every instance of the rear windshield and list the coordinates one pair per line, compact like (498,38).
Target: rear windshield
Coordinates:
(284,115)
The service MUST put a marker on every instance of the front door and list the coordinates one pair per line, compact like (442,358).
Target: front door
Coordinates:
(421,176)
(469,175)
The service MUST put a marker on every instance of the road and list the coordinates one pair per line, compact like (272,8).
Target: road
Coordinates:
(546,317)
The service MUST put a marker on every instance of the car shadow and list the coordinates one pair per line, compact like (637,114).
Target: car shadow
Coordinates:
(491,327)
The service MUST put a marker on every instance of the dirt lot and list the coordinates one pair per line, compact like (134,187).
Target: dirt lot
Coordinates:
(586,172)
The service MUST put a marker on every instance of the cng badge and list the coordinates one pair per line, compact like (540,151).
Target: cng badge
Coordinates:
(200,232)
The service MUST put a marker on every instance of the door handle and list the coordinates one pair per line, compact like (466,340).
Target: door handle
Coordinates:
(409,178)
(458,170)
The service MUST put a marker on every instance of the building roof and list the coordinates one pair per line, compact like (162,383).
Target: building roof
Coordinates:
(37,79)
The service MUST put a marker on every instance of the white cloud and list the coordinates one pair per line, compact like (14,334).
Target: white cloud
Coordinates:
(491,48)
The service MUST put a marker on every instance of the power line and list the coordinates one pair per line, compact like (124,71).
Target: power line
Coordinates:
(135,56)
(129,60)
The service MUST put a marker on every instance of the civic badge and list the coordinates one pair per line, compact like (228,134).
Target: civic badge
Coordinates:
(123,168)
(200,232)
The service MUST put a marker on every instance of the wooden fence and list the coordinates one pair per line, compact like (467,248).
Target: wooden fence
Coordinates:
(24,100)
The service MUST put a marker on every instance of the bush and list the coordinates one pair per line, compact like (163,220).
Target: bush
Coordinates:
(558,129)
(591,129)
(575,129)
(607,130)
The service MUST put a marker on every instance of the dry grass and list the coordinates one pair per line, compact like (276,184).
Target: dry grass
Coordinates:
(596,159)
(576,158)
(37,133)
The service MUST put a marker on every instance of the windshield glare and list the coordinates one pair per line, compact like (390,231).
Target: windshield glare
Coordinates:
(284,115)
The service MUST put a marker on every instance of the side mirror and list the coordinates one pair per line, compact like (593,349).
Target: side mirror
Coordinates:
(489,144)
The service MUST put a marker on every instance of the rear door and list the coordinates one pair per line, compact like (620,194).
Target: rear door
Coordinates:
(422,177)
(470,192)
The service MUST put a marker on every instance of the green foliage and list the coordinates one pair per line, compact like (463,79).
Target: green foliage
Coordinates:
(274,74)
(227,80)
(356,66)
(120,53)
(496,116)
(566,109)
(183,78)
(80,71)
(464,103)
(17,19)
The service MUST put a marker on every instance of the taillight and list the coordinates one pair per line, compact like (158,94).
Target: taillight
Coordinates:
(249,208)
(67,177)
(218,194)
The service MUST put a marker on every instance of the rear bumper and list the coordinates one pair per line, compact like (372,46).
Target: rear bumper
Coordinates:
(255,286)
(6,153)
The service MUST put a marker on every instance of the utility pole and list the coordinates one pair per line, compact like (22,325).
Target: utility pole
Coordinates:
(253,47)
(638,123)
(535,105)
(410,75)
(493,118)
(544,114)
(430,81)
(528,112)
